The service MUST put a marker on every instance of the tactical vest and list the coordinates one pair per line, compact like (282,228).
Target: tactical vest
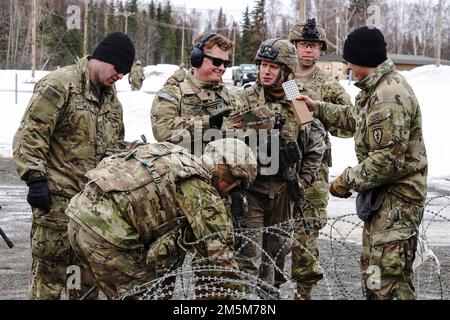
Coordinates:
(199,102)
(147,176)
(251,97)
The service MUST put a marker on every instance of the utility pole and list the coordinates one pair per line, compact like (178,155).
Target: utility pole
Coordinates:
(338,21)
(302,10)
(439,32)
(105,21)
(125,14)
(182,42)
(33,38)
(234,45)
(85,35)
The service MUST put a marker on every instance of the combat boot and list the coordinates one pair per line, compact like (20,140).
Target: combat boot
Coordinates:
(302,293)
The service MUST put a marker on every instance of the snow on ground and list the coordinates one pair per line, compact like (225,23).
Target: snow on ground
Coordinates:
(430,84)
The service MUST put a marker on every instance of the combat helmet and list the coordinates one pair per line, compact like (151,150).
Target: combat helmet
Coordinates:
(308,31)
(230,157)
(138,62)
(278,51)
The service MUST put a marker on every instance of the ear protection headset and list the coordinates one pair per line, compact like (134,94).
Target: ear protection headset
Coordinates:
(197,52)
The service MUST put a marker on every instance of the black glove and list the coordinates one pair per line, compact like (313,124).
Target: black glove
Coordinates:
(39,193)
(216,118)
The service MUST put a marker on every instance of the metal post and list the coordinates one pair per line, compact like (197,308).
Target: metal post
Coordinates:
(16,87)
(302,10)
(85,35)
(33,39)
(182,41)
(439,34)
(234,45)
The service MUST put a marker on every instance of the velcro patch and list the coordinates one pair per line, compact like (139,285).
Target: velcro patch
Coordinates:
(53,96)
(167,97)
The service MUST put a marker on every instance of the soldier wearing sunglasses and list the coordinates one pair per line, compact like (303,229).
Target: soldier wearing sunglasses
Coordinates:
(200,100)
(73,117)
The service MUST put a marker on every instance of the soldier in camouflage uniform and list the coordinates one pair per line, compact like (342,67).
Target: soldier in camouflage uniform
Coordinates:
(136,76)
(73,117)
(269,200)
(142,211)
(392,169)
(185,108)
(310,40)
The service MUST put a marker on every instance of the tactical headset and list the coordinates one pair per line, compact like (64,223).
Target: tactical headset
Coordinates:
(197,52)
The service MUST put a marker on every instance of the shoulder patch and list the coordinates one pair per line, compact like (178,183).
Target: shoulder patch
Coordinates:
(166,96)
(53,95)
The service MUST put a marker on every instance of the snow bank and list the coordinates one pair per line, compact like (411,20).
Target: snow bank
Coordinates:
(430,84)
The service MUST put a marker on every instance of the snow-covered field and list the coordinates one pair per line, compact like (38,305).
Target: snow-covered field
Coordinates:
(430,84)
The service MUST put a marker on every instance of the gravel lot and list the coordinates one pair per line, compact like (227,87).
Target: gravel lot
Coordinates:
(339,248)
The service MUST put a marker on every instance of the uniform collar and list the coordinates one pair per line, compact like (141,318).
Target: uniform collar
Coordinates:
(196,82)
(88,88)
(371,81)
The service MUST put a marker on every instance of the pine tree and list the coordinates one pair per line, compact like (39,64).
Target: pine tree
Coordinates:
(63,46)
(159,37)
(120,19)
(259,27)
(221,22)
(246,53)
(151,33)
(131,7)
(112,19)
(169,46)
(236,35)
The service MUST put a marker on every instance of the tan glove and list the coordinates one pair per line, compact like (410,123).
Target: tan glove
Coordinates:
(339,187)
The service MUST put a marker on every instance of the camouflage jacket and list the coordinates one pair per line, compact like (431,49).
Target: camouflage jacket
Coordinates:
(310,137)
(66,129)
(178,106)
(320,86)
(387,124)
(134,199)
(136,74)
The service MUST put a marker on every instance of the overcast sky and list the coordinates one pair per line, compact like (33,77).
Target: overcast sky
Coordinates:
(233,8)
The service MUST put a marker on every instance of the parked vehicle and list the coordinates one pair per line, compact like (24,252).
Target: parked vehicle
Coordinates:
(244,74)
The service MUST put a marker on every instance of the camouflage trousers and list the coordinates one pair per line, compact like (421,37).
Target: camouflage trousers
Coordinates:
(309,220)
(53,258)
(115,270)
(266,210)
(389,246)
(136,85)
(118,271)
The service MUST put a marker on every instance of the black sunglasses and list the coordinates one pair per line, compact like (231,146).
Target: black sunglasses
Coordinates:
(120,70)
(217,62)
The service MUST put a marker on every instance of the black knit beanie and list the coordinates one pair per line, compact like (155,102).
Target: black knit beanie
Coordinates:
(365,47)
(116,49)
